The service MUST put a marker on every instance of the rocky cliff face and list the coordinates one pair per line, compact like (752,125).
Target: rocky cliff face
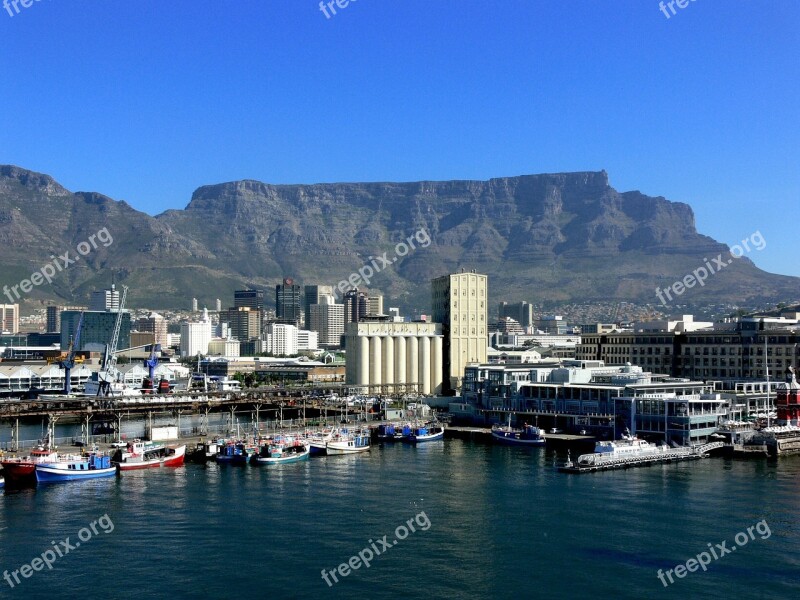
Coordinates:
(552,237)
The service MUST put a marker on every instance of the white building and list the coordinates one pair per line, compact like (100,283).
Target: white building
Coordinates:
(9,313)
(381,353)
(223,347)
(105,299)
(327,318)
(195,336)
(307,340)
(281,339)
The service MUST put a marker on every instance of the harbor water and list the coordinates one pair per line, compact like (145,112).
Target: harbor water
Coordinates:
(461,520)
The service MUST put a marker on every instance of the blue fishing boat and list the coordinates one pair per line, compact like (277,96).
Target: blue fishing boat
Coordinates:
(430,432)
(75,468)
(237,453)
(527,436)
(389,432)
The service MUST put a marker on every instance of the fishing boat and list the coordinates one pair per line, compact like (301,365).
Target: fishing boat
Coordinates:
(2,483)
(139,456)
(280,451)
(22,470)
(235,453)
(75,468)
(390,432)
(206,451)
(346,442)
(423,433)
(527,436)
(317,442)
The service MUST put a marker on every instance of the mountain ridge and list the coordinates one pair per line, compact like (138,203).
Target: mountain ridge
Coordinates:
(555,237)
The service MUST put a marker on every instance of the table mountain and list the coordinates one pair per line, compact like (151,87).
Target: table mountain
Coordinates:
(543,238)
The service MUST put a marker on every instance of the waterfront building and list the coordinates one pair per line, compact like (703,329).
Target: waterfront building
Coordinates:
(287,302)
(459,303)
(608,400)
(386,353)
(313,295)
(9,317)
(521,312)
(97,329)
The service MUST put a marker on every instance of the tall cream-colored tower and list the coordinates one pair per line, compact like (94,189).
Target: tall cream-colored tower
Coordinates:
(459,303)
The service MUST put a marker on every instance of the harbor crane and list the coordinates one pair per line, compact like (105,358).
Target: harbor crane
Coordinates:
(69,360)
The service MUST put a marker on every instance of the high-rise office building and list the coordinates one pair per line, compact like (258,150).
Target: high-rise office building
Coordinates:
(249,298)
(244,323)
(157,325)
(194,304)
(311,297)
(287,301)
(375,304)
(327,318)
(107,299)
(355,306)
(521,312)
(460,304)
(53,318)
(9,313)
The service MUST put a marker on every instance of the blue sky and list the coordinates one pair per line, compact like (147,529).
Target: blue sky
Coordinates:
(145,101)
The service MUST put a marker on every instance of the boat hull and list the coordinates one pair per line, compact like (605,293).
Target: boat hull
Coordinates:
(49,474)
(337,448)
(499,438)
(418,439)
(21,470)
(267,460)
(175,459)
(318,448)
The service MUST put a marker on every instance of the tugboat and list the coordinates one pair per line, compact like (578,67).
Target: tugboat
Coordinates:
(527,436)
(75,468)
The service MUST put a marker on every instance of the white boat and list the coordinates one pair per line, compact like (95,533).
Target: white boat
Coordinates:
(348,443)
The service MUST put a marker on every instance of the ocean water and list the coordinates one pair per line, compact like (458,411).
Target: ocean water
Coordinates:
(488,522)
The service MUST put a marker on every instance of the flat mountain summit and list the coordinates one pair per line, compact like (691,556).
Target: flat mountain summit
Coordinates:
(563,237)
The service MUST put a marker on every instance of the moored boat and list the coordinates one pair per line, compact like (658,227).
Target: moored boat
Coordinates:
(139,456)
(348,443)
(390,432)
(280,451)
(75,468)
(235,453)
(21,470)
(423,433)
(317,442)
(528,435)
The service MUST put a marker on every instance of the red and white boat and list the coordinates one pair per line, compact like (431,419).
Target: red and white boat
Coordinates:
(23,470)
(140,455)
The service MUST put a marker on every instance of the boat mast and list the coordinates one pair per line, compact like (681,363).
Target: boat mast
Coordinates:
(766,368)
